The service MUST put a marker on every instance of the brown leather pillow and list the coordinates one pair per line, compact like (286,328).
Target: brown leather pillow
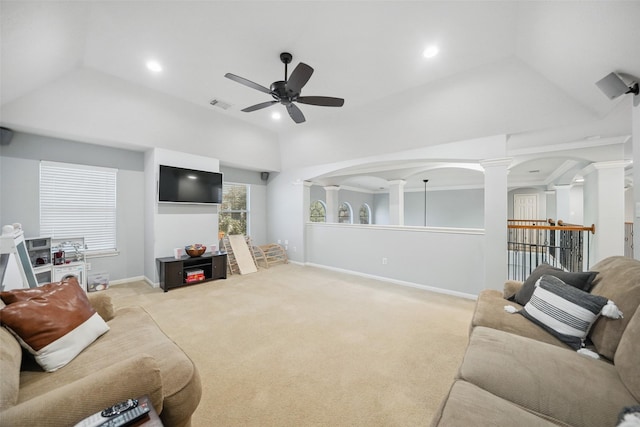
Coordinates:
(54,324)
(16,295)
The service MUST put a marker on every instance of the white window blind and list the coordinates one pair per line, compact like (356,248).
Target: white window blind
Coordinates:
(79,201)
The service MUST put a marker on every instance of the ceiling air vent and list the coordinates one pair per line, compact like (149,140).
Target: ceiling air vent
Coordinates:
(221,104)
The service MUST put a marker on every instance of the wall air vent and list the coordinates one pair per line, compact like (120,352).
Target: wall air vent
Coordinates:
(221,104)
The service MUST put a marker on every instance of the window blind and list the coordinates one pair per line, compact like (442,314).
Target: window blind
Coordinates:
(79,201)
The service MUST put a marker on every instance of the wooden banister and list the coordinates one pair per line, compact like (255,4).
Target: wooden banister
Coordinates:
(592,229)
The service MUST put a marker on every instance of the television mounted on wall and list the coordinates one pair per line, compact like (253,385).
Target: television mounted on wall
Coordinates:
(180,185)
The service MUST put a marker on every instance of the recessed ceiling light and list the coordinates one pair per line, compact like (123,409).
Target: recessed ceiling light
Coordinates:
(154,66)
(275,115)
(430,51)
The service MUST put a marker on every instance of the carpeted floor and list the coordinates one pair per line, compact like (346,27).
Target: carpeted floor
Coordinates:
(302,346)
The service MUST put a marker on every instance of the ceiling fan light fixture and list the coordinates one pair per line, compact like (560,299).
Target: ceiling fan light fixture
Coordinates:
(154,66)
(276,115)
(287,91)
(431,51)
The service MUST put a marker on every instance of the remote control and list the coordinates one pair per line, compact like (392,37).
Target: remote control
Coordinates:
(99,418)
(128,417)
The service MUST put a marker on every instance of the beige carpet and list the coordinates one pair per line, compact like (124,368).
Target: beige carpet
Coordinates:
(302,346)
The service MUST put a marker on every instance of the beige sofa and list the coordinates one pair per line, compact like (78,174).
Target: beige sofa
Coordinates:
(134,358)
(515,373)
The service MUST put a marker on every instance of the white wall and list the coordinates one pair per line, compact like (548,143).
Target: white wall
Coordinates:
(450,261)
(100,108)
(175,225)
(287,213)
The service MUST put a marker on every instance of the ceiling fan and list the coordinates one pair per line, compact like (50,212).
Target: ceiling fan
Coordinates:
(287,91)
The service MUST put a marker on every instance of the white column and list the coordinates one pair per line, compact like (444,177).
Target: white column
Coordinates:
(604,207)
(396,202)
(495,222)
(551,211)
(563,203)
(332,202)
(635,135)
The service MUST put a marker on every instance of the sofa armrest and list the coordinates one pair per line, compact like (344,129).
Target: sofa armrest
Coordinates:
(73,402)
(101,303)
(511,287)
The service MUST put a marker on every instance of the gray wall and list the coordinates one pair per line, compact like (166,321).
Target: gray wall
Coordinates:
(19,194)
(445,208)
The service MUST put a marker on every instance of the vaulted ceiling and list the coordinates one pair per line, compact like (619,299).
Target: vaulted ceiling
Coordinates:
(518,68)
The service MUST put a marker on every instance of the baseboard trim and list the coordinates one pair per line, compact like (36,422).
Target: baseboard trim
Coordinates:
(396,281)
(134,279)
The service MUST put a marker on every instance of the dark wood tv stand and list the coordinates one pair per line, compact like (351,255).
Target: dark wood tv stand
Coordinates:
(173,272)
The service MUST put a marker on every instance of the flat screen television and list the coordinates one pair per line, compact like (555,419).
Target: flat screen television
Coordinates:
(180,185)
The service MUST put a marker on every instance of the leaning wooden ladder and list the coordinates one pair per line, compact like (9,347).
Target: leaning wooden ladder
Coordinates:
(232,263)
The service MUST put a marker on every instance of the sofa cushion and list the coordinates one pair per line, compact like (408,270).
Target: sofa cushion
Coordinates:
(132,332)
(10,359)
(618,280)
(54,324)
(578,280)
(549,380)
(489,312)
(627,358)
(562,310)
(469,405)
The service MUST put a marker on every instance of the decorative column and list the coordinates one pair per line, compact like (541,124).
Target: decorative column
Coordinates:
(396,202)
(563,203)
(332,202)
(635,135)
(604,207)
(552,212)
(495,222)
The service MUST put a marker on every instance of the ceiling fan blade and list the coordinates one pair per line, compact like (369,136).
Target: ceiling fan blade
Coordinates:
(299,77)
(259,106)
(246,82)
(324,101)
(295,113)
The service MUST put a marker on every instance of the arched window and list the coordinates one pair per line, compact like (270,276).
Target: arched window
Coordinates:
(365,214)
(318,211)
(345,214)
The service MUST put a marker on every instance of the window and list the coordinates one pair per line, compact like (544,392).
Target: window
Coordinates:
(79,201)
(365,214)
(318,212)
(234,211)
(345,214)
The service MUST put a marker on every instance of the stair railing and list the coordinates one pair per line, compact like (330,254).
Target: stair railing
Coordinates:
(533,242)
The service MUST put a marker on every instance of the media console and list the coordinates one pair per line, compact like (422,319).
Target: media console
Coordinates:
(177,272)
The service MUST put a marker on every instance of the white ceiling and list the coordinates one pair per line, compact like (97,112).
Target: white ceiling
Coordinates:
(525,69)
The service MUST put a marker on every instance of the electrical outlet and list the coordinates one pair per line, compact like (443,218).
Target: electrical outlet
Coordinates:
(384,261)
(294,249)
(286,242)
(88,266)
(279,241)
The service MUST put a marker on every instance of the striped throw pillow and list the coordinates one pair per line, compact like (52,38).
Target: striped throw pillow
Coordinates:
(564,311)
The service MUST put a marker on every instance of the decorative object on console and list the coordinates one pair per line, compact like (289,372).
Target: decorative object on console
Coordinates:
(195,250)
